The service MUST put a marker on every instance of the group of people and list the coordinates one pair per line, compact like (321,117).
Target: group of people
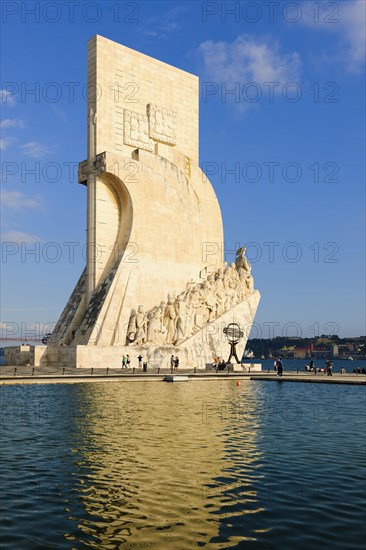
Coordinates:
(174,363)
(200,303)
(328,368)
(220,364)
(358,370)
(126,361)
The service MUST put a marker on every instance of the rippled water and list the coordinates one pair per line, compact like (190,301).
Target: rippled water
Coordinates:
(198,464)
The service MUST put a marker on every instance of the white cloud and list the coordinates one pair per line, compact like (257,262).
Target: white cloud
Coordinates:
(35,149)
(249,59)
(19,237)
(167,23)
(5,142)
(12,123)
(15,200)
(352,21)
(6,97)
(348,20)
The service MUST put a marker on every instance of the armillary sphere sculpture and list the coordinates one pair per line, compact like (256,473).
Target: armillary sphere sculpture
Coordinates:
(233,333)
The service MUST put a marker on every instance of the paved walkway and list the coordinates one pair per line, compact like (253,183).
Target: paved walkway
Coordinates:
(55,375)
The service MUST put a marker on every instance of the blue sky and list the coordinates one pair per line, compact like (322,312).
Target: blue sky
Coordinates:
(282,138)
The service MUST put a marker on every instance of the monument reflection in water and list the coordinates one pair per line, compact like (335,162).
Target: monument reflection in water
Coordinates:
(261,466)
(160,466)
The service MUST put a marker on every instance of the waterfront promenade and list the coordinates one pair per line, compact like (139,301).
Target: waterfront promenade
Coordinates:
(10,375)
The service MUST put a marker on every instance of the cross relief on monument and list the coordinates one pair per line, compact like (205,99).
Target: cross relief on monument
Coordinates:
(160,124)
(136,130)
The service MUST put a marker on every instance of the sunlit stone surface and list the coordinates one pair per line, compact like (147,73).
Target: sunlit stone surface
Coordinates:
(155,281)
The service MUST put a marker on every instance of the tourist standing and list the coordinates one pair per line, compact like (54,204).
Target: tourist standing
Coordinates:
(172,363)
(279,367)
(176,363)
(124,361)
(329,368)
(140,360)
(128,361)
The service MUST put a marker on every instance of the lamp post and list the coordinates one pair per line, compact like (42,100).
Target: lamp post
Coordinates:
(233,334)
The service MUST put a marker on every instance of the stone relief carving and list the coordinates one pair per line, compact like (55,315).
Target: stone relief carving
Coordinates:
(85,167)
(162,124)
(136,130)
(199,304)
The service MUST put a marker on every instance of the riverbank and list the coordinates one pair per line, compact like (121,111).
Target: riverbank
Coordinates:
(357,379)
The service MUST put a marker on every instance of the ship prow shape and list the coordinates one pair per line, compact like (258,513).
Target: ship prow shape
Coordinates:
(155,280)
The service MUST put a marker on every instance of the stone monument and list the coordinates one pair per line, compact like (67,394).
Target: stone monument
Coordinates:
(155,282)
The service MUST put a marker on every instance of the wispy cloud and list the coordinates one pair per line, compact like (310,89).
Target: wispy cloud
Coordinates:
(5,142)
(354,25)
(249,59)
(19,237)
(12,123)
(167,23)
(6,97)
(60,113)
(15,200)
(35,149)
(349,23)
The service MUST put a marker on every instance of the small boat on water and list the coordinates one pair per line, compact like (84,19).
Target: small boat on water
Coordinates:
(350,358)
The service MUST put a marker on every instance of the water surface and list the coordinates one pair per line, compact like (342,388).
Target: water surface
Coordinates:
(198,464)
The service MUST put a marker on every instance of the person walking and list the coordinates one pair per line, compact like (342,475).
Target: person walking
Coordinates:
(124,361)
(172,363)
(140,360)
(128,361)
(176,363)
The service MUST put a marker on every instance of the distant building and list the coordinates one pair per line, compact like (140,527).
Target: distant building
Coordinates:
(301,353)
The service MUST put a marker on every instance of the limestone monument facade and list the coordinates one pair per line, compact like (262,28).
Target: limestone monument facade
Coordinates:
(155,281)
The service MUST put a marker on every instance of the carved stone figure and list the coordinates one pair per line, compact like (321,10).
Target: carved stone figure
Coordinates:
(198,305)
(220,297)
(191,299)
(244,268)
(169,320)
(210,298)
(141,326)
(242,288)
(241,261)
(180,307)
(131,330)
(153,327)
